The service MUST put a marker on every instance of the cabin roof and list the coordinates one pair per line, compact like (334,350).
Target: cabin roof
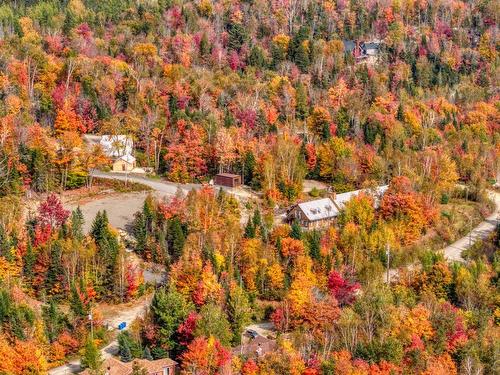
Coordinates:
(228,175)
(319,209)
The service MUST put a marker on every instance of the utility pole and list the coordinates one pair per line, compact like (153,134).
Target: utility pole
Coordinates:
(91,318)
(388,254)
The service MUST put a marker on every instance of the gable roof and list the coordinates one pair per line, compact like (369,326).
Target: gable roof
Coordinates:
(319,209)
(112,366)
(155,366)
(342,199)
(127,158)
(326,208)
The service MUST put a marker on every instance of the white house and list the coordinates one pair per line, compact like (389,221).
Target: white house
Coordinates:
(320,212)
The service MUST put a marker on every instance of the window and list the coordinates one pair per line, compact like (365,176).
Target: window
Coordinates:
(166,371)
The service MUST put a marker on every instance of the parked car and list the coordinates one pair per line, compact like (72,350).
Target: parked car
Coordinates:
(253,334)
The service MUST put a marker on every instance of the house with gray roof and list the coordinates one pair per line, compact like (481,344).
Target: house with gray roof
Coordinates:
(319,213)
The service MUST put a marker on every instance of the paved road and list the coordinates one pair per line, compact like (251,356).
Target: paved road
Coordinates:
(453,252)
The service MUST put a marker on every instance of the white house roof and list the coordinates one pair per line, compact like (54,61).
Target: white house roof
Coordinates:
(341,199)
(325,208)
(319,209)
(128,158)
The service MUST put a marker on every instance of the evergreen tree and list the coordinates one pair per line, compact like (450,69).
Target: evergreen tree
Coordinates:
(69,22)
(257,219)
(39,171)
(147,354)
(248,167)
(237,36)
(302,57)
(53,319)
(302,108)
(91,357)
(55,270)
(125,354)
(176,238)
(249,229)
(148,211)
(297,41)
(77,222)
(100,230)
(314,245)
(400,113)
(256,57)
(75,303)
(296,230)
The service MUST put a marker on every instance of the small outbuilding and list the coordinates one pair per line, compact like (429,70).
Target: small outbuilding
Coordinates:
(125,163)
(228,179)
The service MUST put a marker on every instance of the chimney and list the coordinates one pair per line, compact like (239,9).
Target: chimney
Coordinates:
(334,196)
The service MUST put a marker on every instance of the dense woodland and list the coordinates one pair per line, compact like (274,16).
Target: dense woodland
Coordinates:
(264,89)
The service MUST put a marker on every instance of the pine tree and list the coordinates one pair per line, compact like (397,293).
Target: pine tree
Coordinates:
(53,319)
(54,271)
(77,222)
(169,308)
(296,230)
(125,354)
(257,219)
(75,302)
(248,167)
(176,238)
(302,58)
(99,230)
(301,109)
(91,357)
(147,354)
(256,57)
(249,229)
(237,36)
(314,245)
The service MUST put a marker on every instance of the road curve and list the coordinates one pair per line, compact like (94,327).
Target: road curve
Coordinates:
(453,252)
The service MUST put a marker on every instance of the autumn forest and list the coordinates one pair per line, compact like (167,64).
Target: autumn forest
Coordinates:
(280,187)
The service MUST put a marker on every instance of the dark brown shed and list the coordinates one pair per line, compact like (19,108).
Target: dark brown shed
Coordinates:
(228,179)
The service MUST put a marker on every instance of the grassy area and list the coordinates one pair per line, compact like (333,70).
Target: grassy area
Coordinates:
(101,187)
(120,186)
(457,218)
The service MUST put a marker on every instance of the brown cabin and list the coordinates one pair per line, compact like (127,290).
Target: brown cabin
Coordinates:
(227,179)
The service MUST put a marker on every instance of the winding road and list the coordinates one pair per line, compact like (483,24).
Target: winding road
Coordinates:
(453,252)
(126,208)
